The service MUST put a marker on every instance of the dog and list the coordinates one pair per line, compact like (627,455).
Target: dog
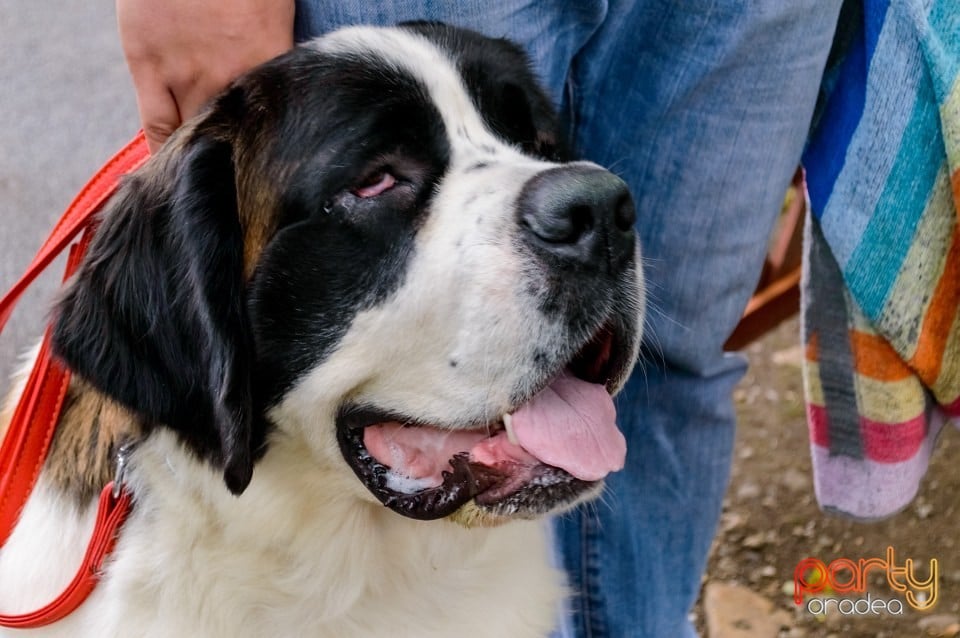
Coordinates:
(357,327)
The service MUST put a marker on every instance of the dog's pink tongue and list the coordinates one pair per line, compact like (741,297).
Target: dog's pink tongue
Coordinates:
(572,425)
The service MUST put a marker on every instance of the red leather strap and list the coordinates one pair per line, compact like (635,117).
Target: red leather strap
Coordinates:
(32,426)
(87,202)
(111,512)
(34,421)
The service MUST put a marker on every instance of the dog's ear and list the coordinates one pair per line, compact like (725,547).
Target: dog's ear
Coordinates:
(156,316)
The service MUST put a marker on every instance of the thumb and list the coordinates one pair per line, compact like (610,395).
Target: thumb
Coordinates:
(159,114)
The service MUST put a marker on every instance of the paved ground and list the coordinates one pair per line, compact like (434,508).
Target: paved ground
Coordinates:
(771,522)
(66,104)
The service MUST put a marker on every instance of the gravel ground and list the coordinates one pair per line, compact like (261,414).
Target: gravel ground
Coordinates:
(771,521)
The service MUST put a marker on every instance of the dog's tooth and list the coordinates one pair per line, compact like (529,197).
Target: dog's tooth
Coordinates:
(508,426)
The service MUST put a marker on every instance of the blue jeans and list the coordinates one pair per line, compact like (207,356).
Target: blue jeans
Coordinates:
(703,108)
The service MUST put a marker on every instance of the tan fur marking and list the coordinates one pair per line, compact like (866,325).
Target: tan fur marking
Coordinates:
(91,428)
(81,457)
(6,413)
(257,202)
(258,220)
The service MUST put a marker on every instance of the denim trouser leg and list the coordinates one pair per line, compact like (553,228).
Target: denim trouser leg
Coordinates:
(702,107)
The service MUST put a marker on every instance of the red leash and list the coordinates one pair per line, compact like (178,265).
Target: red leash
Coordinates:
(28,438)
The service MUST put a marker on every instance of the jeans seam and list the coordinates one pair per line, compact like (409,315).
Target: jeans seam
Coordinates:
(593,614)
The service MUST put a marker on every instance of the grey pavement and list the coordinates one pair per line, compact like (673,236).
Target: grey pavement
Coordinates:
(66,105)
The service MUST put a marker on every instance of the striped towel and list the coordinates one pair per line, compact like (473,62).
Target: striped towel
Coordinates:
(881,289)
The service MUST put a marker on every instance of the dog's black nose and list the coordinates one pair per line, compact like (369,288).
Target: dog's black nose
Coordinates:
(580,213)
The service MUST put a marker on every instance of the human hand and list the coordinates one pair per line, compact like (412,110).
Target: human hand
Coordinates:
(182,52)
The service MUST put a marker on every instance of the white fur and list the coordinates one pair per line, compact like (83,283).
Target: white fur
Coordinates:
(295,555)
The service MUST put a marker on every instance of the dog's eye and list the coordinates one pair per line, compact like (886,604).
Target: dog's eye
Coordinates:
(376,184)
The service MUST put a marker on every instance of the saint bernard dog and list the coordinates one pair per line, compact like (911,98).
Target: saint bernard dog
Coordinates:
(359,322)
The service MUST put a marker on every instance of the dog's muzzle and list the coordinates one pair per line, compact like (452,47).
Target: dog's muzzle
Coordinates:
(554,446)
(581,214)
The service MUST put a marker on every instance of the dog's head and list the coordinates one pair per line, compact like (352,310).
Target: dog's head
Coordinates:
(371,245)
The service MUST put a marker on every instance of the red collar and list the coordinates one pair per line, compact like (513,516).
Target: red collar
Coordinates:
(34,421)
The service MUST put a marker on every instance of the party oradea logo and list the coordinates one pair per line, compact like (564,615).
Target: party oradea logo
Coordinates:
(815,582)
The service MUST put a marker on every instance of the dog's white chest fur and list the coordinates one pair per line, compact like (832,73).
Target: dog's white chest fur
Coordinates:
(288,558)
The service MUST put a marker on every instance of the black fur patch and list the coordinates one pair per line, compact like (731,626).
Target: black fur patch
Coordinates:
(161,316)
(500,80)
(155,316)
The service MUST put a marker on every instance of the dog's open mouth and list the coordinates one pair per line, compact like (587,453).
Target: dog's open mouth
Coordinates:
(546,453)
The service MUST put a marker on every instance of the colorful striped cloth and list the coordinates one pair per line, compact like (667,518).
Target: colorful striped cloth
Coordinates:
(881,289)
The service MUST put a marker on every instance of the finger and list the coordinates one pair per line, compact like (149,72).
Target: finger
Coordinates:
(159,113)
(192,98)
